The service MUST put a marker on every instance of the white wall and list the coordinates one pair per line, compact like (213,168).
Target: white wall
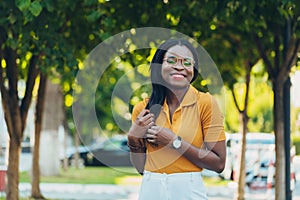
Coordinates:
(295,89)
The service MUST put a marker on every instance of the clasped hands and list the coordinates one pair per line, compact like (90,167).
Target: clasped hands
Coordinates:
(144,127)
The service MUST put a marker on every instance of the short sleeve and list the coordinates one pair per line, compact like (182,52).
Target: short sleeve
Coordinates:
(137,109)
(212,119)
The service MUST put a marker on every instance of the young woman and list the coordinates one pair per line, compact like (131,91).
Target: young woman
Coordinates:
(178,131)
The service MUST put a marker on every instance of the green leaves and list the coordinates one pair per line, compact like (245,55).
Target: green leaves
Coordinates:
(94,16)
(35,8)
(49,5)
(23,5)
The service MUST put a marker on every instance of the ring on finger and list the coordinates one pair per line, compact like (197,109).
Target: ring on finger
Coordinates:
(150,140)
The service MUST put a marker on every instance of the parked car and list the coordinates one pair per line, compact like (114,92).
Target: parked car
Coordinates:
(260,156)
(112,152)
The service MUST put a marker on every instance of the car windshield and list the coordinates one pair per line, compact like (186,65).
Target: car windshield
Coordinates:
(115,144)
(260,141)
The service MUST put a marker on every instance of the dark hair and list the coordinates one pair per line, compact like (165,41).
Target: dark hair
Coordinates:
(159,91)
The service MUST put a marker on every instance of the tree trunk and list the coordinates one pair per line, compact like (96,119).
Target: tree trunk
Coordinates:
(245,119)
(279,141)
(35,183)
(242,173)
(15,112)
(12,189)
(65,145)
(52,120)
(76,155)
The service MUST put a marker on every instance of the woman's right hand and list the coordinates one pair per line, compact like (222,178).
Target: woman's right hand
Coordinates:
(143,122)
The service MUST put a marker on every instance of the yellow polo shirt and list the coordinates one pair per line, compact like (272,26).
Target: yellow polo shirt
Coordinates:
(197,119)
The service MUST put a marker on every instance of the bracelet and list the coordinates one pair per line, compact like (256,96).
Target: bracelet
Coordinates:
(135,147)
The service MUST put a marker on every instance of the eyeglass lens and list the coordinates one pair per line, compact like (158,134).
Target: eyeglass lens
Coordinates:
(173,60)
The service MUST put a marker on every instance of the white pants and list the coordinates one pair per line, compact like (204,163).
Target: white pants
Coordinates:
(176,186)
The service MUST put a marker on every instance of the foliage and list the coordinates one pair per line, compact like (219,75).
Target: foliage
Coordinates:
(296,142)
(126,69)
(260,106)
(278,43)
(110,16)
(34,39)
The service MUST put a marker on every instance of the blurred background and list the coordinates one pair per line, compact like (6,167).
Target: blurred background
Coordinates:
(46,44)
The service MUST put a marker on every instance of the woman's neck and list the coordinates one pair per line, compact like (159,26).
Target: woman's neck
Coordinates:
(175,97)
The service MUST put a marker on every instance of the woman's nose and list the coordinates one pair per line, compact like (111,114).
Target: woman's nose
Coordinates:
(178,66)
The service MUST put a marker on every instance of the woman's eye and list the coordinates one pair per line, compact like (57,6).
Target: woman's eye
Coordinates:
(171,60)
(187,63)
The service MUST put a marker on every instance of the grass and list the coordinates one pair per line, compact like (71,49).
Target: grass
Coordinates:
(104,175)
(88,175)
(215,181)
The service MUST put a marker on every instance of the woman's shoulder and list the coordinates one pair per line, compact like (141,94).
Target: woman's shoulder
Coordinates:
(141,104)
(206,101)
(138,108)
(203,96)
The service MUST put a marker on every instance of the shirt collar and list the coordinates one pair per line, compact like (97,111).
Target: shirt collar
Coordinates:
(189,98)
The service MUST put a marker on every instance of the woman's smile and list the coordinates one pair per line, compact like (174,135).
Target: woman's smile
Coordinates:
(178,76)
(176,69)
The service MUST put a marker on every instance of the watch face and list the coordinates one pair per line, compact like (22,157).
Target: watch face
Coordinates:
(176,143)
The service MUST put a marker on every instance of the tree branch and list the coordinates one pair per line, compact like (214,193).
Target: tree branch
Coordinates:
(248,77)
(264,57)
(12,73)
(277,52)
(31,77)
(5,98)
(41,98)
(290,58)
(235,101)
(10,94)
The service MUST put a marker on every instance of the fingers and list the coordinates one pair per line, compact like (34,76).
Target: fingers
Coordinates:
(152,133)
(145,119)
(143,113)
(153,130)
(151,138)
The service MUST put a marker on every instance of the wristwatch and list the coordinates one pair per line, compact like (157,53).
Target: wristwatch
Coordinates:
(177,142)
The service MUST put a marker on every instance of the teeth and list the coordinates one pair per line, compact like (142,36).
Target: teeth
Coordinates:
(178,75)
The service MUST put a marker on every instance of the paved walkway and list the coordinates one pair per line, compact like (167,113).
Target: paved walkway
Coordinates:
(82,192)
(118,192)
(60,191)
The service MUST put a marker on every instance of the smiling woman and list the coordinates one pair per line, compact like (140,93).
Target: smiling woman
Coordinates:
(178,131)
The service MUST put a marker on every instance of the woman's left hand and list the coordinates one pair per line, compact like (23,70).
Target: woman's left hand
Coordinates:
(160,135)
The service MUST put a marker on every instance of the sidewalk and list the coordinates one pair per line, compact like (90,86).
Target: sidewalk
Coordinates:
(62,191)
(57,191)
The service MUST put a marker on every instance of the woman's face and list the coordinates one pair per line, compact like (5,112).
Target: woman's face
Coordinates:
(178,67)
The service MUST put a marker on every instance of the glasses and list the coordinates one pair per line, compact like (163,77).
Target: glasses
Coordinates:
(186,62)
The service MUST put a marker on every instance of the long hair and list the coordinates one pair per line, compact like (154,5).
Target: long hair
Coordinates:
(159,91)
